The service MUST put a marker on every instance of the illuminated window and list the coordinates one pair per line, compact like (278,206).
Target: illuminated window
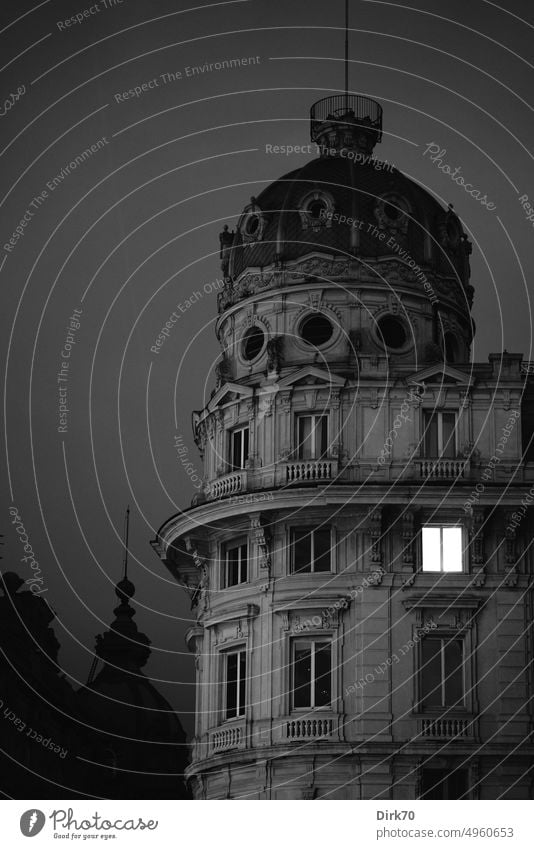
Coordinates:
(312,674)
(442,548)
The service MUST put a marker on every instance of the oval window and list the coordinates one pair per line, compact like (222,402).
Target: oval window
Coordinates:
(392,332)
(316,330)
(252,225)
(253,342)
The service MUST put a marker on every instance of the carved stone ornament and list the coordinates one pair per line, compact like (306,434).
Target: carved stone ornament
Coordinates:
(375,532)
(408,539)
(262,542)
(275,355)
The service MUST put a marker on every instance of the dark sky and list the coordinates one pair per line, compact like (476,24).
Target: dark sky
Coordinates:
(133,231)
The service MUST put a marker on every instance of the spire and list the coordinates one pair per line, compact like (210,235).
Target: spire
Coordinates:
(346,122)
(126,535)
(122,645)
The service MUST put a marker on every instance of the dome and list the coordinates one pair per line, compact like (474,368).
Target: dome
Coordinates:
(308,210)
(346,203)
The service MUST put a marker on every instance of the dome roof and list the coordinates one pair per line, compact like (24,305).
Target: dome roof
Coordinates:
(307,210)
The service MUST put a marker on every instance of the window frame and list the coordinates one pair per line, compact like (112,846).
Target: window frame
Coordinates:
(312,641)
(430,414)
(237,543)
(444,638)
(241,652)
(318,454)
(231,456)
(463,553)
(310,530)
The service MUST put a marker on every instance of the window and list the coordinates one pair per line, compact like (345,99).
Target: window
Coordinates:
(310,550)
(316,330)
(236,564)
(442,548)
(442,673)
(440,784)
(253,342)
(440,434)
(239,448)
(235,679)
(312,674)
(392,332)
(312,437)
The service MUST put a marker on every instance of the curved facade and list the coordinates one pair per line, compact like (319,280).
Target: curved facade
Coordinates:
(358,576)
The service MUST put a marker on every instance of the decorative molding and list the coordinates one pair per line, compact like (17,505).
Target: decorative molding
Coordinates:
(408,539)
(261,539)
(375,532)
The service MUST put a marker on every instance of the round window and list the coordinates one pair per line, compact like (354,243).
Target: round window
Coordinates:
(392,332)
(316,330)
(253,342)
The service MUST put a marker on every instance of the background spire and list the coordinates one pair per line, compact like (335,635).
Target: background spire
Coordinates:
(126,535)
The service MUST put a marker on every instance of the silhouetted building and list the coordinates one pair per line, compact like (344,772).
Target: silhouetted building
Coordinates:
(116,738)
(37,704)
(140,749)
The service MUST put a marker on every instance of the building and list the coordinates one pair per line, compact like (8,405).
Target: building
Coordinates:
(359,561)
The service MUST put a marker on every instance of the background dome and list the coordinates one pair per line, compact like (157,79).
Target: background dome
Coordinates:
(307,210)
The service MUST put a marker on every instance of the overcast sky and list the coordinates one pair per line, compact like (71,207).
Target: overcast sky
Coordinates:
(132,231)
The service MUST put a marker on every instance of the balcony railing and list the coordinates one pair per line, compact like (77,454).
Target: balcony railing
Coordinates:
(231,484)
(443,469)
(309,728)
(306,471)
(446,727)
(231,737)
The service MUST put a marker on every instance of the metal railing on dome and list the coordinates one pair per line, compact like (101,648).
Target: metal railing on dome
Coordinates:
(348,109)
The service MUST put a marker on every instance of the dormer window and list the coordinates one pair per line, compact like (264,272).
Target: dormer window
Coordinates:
(252,223)
(392,213)
(316,210)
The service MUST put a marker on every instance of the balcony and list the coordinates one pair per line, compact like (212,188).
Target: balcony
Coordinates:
(310,728)
(228,737)
(446,728)
(231,484)
(308,471)
(444,469)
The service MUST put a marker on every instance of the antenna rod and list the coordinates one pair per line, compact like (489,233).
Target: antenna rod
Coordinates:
(126,535)
(346,55)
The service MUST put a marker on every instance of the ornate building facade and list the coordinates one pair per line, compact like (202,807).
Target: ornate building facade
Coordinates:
(361,584)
